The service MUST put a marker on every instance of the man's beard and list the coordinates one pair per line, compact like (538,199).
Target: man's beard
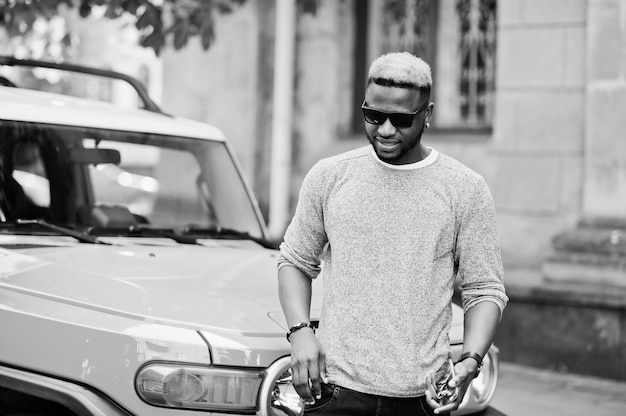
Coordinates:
(403,150)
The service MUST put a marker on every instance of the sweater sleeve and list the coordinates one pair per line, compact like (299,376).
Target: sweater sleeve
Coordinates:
(478,251)
(305,238)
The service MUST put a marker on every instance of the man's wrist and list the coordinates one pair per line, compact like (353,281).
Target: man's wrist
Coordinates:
(298,327)
(470,365)
(473,361)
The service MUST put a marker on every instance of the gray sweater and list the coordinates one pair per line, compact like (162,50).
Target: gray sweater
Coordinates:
(392,239)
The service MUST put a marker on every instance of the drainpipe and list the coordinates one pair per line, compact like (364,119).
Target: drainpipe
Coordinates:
(282,117)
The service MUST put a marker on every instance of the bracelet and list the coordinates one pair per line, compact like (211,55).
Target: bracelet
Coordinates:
(476,356)
(298,327)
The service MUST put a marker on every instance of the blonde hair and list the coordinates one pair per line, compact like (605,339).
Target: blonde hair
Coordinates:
(400,69)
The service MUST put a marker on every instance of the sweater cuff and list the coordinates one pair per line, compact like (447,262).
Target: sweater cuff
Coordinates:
(493,299)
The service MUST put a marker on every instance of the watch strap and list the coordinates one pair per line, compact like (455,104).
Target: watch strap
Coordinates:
(476,356)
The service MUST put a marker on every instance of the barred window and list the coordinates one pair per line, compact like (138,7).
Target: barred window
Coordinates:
(457,38)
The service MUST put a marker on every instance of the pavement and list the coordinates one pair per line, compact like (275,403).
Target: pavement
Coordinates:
(524,391)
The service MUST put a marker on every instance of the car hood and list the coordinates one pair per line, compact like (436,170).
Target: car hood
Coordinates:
(223,284)
(220,285)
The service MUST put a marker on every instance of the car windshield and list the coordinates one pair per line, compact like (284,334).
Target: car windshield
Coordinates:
(106,179)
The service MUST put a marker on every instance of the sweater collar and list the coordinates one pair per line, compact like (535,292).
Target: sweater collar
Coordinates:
(427,161)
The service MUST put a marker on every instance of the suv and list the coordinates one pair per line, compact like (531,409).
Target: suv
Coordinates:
(135,272)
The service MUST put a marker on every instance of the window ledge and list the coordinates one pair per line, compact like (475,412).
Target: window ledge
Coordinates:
(447,134)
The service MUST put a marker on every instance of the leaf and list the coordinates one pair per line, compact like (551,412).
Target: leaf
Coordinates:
(181,34)
(29,18)
(207,34)
(146,19)
(207,37)
(154,40)
(114,9)
(224,8)
(67,40)
(85,8)
(20,20)
(196,16)
(131,6)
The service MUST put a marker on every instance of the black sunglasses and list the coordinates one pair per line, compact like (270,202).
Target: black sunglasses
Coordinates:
(399,120)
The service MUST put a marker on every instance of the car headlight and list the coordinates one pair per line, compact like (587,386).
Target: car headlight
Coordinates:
(199,387)
(484,385)
(278,397)
(243,390)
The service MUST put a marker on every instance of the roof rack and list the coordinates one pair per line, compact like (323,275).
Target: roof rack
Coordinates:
(139,88)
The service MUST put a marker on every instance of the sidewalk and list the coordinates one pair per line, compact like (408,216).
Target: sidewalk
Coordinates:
(524,391)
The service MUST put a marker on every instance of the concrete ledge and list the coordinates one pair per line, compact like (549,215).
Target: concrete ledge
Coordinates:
(524,391)
(585,268)
(563,326)
(569,293)
(591,253)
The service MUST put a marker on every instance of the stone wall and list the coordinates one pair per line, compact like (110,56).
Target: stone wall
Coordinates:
(539,128)
(564,130)
(605,121)
(566,327)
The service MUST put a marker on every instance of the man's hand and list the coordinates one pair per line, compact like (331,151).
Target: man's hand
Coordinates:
(464,374)
(480,323)
(308,364)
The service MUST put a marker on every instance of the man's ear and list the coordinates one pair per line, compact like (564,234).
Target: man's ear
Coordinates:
(429,112)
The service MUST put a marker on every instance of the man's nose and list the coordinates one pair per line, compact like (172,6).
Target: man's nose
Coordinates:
(387,129)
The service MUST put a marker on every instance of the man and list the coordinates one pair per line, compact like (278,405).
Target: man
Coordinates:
(394,222)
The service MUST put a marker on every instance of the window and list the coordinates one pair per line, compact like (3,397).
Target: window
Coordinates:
(89,177)
(456,37)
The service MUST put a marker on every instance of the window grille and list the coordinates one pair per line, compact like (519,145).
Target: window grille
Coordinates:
(458,39)
(477,52)
(409,26)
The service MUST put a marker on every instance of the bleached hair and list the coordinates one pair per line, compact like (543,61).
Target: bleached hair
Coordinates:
(401,69)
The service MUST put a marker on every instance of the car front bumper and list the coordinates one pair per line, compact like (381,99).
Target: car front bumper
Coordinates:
(78,399)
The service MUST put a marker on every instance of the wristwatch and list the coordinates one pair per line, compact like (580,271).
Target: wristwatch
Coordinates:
(476,356)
